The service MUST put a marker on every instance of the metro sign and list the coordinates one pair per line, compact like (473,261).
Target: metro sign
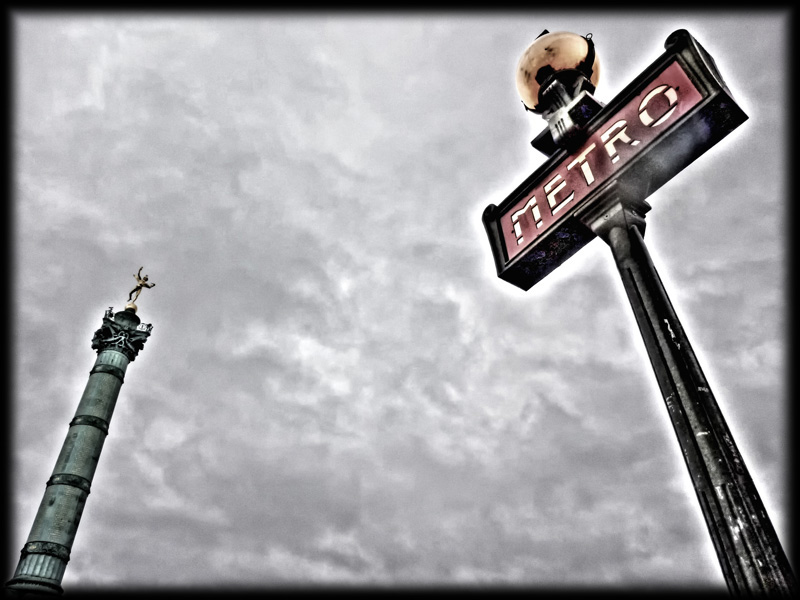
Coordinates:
(667,117)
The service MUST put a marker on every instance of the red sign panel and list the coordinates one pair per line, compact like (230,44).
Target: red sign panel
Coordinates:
(624,135)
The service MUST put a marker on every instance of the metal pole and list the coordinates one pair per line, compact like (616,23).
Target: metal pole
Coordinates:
(747,546)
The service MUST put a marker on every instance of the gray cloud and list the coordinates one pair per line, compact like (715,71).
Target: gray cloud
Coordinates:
(338,388)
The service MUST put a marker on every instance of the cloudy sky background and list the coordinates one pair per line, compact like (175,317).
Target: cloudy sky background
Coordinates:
(338,388)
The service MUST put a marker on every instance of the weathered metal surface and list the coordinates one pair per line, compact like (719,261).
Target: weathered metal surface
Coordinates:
(747,546)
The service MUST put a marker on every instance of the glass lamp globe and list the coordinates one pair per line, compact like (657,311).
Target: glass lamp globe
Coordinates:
(549,54)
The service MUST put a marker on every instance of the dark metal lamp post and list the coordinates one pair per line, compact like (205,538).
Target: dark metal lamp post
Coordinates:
(603,162)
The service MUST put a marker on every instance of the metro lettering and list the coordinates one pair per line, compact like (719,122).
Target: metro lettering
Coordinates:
(585,169)
(672,97)
(621,136)
(551,196)
(520,219)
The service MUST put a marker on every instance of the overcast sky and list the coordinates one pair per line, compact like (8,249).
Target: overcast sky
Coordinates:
(338,388)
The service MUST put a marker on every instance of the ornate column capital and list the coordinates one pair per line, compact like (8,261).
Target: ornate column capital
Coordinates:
(121,332)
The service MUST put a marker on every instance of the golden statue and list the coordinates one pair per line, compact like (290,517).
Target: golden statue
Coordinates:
(141,283)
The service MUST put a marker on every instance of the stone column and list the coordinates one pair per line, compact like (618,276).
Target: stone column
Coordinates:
(47,551)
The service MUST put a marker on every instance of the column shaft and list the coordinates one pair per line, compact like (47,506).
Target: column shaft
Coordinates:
(47,551)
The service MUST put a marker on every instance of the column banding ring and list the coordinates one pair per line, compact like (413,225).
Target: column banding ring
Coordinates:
(69,479)
(111,370)
(92,421)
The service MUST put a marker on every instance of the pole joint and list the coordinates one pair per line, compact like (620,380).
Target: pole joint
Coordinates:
(614,209)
